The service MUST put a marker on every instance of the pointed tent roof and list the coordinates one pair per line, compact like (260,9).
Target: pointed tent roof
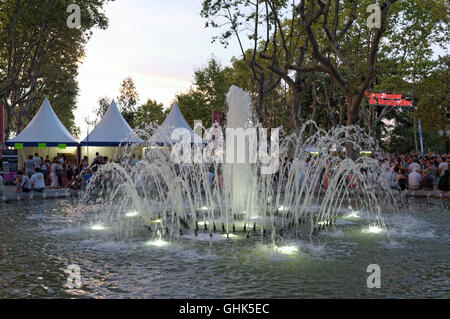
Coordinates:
(44,128)
(175,120)
(112,130)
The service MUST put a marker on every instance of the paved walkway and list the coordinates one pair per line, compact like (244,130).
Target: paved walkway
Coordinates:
(10,196)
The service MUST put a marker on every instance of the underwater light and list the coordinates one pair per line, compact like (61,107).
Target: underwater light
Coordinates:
(322,223)
(98,227)
(374,229)
(204,208)
(282,209)
(353,215)
(230,235)
(157,221)
(287,250)
(157,243)
(203,223)
(132,214)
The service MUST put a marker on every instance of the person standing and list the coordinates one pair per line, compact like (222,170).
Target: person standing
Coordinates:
(29,166)
(36,160)
(54,177)
(443,166)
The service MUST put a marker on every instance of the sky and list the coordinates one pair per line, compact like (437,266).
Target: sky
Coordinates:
(158,43)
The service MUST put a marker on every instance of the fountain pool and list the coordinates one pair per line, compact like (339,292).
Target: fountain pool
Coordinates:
(39,240)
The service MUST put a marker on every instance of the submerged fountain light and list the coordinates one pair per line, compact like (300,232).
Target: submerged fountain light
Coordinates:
(374,229)
(282,209)
(230,235)
(132,214)
(354,215)
(98,227)
(287,250)
(157,243)
(203,223)
(204,208)
(156,221)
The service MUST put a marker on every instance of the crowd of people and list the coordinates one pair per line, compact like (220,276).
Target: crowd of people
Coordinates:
(403,171)
(61,172)
(415,172)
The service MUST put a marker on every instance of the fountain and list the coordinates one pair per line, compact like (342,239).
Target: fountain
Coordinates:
(305,197)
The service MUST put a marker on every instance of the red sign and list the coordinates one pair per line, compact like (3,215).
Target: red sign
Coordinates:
(386,99)
(217,118)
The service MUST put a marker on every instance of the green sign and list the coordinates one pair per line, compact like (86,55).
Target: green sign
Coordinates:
(42,146)
(62,146)
(18,146)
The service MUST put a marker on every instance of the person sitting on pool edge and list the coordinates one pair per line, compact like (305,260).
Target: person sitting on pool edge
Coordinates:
(38,181)
(23,183)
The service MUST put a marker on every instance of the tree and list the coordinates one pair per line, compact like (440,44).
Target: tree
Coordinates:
(103,104)
(151,112)
(245,16)
(128,100)
(211,84)
(419,26)
(39,55)
(434,101)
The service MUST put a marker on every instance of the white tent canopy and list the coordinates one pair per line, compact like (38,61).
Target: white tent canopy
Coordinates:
(44,128)
(112,130)
(175,120)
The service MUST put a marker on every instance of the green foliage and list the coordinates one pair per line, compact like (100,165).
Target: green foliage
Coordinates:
(40,54)
(128,100)
(151,112)
(211,86)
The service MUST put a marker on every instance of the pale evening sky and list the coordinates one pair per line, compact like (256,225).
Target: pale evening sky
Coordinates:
(158,43)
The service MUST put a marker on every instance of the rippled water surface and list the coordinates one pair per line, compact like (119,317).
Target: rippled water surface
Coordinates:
(39,240)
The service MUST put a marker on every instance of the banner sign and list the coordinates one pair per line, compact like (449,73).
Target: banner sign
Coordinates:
(421,138)
(10,165)
(18,146)
(62,146)
(42,146)
(387,99)
(217,118)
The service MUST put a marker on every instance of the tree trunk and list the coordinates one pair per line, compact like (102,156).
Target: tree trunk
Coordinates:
(353,103)
(296,106)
